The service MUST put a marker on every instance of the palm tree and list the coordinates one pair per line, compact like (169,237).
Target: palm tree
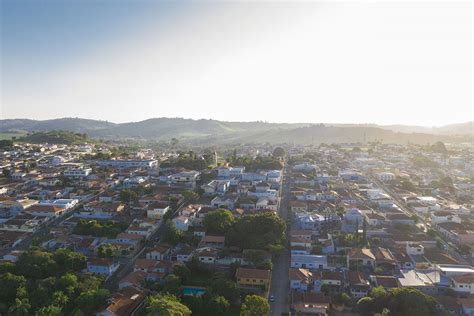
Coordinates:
(60,299)
(20,307)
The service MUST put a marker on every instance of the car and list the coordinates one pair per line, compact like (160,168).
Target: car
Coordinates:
(272,298)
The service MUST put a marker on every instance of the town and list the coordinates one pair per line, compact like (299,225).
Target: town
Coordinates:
(328,229)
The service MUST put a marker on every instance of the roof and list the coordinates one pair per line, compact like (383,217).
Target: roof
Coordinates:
(126,301)
(463,278)
(356,278)
(300,274)
(213,239)
(361,253)
(386,281)
(252,274)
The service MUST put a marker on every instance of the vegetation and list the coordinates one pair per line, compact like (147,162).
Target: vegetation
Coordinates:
(128,196)
(170,233)
(255,305)
(166,305)
(405,301)
(259,162)
(56,137)
(100,229)
(218,221)
(49,283)
(261,231)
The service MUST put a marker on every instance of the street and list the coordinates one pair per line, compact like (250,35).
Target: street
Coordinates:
(280,282)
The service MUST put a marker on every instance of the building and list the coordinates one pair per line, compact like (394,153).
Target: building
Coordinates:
(102,266)
(361,257)
(300,279)
(125,163)
(311,262)
(80,172)
(253,277)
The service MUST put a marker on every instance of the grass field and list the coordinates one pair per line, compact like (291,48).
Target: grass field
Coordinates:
(9,135)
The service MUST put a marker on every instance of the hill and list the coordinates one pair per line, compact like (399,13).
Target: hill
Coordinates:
(218,132)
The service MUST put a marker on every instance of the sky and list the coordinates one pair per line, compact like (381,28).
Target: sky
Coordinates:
(333,62)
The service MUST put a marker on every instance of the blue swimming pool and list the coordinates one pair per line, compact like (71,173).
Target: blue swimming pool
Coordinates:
(193,291)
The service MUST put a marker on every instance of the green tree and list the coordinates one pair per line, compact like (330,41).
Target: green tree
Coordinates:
(60,299)
(128,196)
(255,305)
(20,307)
(91,300)
(278,152)
(170,233)
(218,221)
(182,271)
(107,251)
(9,286)
(50,310)
(172,284)
(166,305)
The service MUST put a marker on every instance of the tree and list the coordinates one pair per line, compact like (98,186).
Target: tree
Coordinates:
(218,305)
(218,221)
(67,283)
(50,310)
(20,307)
(9,286)
(6,173)
(190,196)
(261,231)
(278,152)
(107,251)
(60,299)
(439,147)
(171,234)
(91,300)
(166,305)
(128,196)
(182,272)
(255,305)
(172,284)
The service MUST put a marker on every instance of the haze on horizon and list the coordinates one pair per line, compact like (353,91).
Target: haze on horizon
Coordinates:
(332,62)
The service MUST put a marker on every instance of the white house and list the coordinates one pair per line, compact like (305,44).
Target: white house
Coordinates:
(182,222)
(463,283)
(309,262)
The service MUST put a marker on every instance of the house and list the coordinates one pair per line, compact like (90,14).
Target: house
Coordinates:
(307,303)
(384,258)
(374,219)
(463,284)
(80,172)
(212,241)
(45,210)
(311,262)
(206,254)
(184,253)
(126,302)
(102,266)
(385,176)
(300,279)
(361,257)
(182,222)
(400,218)
(425,282)
(388,282)
(144,265)
(157,253)
(444,217)
(134,278)
(298,206)
(467,305)
(156,212)
(332,279)
(358,285)
(253,277)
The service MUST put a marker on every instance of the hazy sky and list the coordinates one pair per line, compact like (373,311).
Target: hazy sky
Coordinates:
(347,62)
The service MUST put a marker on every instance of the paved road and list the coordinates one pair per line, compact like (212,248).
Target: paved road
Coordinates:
(280,282)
